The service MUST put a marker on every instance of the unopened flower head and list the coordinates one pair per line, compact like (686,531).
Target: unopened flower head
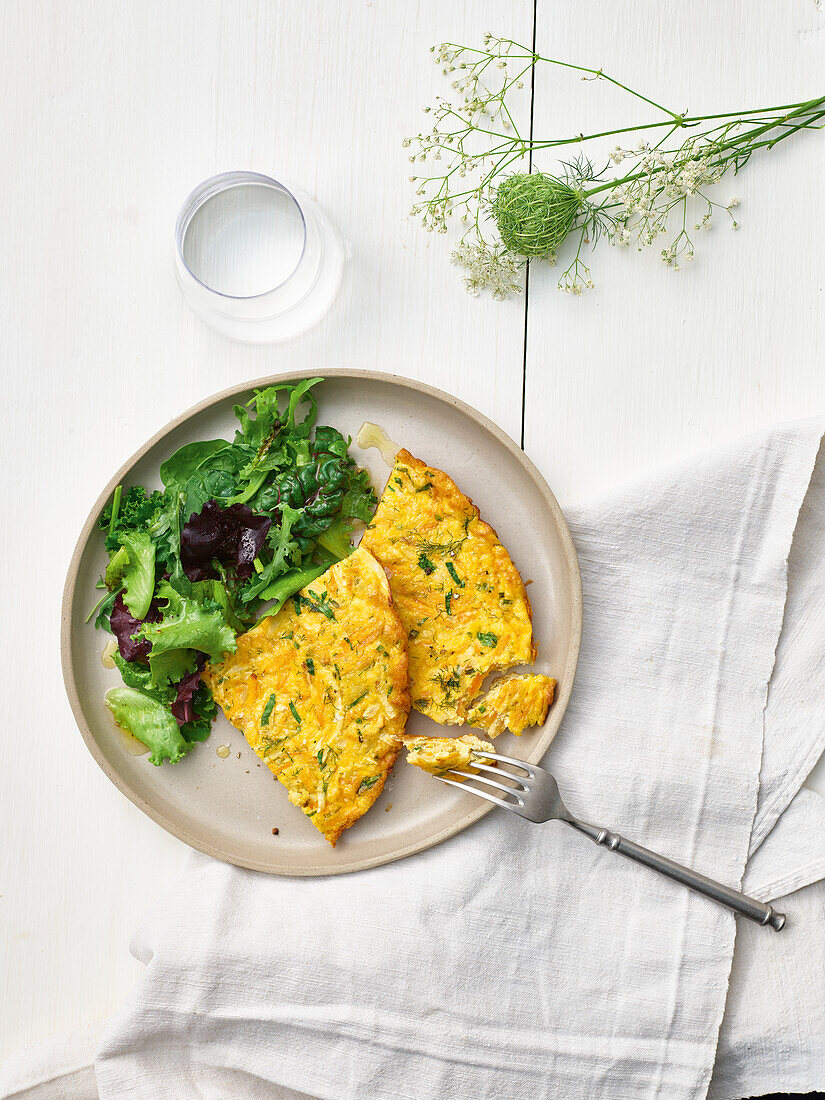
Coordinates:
(534,213)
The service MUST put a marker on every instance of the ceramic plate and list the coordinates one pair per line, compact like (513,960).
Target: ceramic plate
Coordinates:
(228,807)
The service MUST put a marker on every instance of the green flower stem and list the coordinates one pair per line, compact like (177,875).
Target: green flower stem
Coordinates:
(687,122)
(599,74)
(808,119)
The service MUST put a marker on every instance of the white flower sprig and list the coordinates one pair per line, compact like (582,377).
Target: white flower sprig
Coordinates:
(483,180)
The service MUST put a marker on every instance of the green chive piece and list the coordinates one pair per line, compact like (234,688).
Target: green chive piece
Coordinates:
(425,564)
(270,704)
(454,575)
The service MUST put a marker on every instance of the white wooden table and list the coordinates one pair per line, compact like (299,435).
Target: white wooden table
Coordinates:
(112,112)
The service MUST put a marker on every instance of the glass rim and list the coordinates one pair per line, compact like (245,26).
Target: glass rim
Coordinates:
(208,189)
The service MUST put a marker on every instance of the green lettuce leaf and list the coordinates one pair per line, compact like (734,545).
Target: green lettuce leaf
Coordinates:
(289,583)
(138,575)
(150,722)
(171,666)
(114,570)
(132,567)
(188,624)
(337,539)
(213,590)
(139,677)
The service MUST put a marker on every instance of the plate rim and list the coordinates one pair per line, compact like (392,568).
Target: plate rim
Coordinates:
(538,750)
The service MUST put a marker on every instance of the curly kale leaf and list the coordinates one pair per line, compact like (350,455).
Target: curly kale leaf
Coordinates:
(136,511)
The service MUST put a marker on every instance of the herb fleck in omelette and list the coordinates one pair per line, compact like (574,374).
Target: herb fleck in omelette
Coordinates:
(320,692)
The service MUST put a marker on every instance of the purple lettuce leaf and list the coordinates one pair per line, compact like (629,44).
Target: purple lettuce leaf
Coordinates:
(234,536)
(124,625)
(182,707)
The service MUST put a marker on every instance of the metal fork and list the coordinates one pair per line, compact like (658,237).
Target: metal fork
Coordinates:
(535,795)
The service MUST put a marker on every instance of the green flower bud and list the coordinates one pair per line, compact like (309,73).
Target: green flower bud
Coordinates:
(534,213)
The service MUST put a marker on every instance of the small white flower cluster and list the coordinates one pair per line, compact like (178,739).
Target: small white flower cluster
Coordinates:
(492,269)
(576,279)
(659,183)
(459,139)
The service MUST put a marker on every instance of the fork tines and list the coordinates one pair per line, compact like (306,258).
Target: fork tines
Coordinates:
(511,791)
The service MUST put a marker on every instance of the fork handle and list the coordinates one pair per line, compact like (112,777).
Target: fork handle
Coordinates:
(724,895)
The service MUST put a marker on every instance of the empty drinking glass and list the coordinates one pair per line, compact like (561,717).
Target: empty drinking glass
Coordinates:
(255,259)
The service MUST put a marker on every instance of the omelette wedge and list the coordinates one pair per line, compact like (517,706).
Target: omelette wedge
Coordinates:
(461,600)
(320,692)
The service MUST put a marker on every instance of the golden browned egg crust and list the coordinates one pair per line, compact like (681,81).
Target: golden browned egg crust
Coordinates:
(513,702)
(320,692)
(459,595)
(439,754)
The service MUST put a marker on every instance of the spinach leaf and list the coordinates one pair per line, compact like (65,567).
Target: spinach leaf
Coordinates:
(176,471)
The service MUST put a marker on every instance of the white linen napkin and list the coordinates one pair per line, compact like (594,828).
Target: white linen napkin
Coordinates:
(773,1033)
(520,960)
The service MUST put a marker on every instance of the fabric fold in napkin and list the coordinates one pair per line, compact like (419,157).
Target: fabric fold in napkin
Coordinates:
(773,1034)
(524,961)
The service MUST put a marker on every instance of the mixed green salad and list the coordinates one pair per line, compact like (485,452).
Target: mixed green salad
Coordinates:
(236,530)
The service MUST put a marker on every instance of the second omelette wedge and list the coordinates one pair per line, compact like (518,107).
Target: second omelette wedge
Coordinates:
(461,600)
(320,692)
